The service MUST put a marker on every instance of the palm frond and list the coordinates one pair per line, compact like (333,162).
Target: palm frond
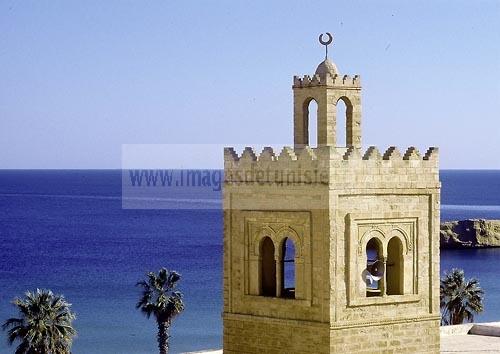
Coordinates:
(158,297)
(44,324)
(460,298)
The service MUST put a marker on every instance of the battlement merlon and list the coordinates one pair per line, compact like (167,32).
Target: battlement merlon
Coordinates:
(344,167)
(249,156)
(329,80)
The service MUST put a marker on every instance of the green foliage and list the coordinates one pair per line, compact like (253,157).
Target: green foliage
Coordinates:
(160,299)
(44,324)
(460,298)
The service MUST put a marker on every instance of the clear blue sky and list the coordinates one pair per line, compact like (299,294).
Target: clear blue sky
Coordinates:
(79,79)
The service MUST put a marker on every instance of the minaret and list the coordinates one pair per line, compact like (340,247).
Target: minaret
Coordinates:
(331,249)
(327,87)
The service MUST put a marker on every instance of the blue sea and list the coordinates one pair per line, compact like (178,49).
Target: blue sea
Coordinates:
(67,231)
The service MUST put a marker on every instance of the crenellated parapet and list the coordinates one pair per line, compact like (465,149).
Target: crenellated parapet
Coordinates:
(339,167)
(332,80)
(287,154)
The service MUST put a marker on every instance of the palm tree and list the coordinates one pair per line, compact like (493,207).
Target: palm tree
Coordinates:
(161,300)
(44,324)
(460,298)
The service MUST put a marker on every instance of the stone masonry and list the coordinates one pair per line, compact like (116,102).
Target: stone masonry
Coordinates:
(336,205)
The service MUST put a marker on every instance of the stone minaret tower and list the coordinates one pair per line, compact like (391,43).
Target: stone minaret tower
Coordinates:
(331,249)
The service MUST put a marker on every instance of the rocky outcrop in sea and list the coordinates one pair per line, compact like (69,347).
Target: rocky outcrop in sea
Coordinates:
(472,233)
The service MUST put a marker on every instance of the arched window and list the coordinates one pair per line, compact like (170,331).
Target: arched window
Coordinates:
(341,129)
(311,122)
(374,268)
(395,270)
(288,269)
(267,268)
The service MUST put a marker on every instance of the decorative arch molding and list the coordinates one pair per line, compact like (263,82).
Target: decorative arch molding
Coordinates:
(403,237)
(278,237)
(347,101)
(374,233)
(287,232)
(264,231)
(308,100)
(384,238)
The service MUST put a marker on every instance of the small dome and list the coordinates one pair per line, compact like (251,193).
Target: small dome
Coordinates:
(326,66)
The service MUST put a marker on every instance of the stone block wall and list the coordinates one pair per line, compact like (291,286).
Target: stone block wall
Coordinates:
(251,334)
(397,338)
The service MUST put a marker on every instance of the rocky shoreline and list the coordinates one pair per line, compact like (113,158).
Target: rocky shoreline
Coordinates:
(471,233)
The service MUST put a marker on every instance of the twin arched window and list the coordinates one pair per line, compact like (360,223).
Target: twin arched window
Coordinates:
(384,275)
(343,115)
(277,269)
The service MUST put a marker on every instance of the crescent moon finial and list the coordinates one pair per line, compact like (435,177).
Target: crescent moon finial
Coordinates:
(327,42)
